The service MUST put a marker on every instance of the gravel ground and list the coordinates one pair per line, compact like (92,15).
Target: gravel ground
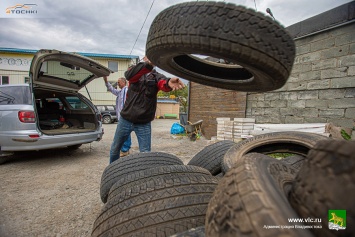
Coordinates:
(56,192)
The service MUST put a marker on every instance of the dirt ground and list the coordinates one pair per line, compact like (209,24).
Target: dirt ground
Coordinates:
(56,192)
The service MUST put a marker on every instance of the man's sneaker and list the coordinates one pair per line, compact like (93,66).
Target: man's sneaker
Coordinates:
(124,153)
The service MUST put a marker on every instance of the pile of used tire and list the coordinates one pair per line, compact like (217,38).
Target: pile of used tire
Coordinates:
(233,189)
(230,189)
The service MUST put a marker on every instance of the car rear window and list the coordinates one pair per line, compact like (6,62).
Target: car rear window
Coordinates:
(100,108)
(12,95)
(76,103)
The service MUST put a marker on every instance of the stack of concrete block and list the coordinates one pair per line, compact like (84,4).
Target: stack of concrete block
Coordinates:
(224,129)
(242,127)
(235,129)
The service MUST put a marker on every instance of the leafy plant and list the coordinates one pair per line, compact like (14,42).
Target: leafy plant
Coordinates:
(345,135)
(181,96)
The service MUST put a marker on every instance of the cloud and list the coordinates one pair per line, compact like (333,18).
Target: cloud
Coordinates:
(113,26)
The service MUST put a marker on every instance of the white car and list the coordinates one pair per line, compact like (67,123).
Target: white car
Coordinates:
(50,112)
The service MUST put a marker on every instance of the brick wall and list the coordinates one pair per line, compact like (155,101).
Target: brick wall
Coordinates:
(321,87)
(208,103)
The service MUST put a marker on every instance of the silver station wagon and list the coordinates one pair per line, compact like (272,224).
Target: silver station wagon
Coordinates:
(50,112)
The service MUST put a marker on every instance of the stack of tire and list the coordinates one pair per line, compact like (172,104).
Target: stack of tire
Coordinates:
(153,194)
(231,189)
(259,194)
(228,189)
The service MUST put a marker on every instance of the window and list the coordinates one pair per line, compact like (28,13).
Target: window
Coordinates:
(4,80)
(76,103)
(55,100)
(101,108)
(27,80)
(15,95)
(113,66)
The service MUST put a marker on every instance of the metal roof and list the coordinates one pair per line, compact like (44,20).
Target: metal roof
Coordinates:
(335,17)
(167,101)
(92,55)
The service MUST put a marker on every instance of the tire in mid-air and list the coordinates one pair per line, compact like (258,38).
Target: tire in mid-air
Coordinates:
(222,45)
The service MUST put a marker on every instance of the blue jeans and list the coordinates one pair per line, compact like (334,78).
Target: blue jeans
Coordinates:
(123,130)
(127,144)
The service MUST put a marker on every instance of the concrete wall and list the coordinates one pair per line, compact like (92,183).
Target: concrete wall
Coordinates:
(321,87)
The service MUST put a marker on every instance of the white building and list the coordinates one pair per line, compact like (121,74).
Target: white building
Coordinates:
(15,65)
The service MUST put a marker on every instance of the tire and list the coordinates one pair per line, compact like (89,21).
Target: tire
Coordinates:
(132,163)
(158,206)
(106,120)
(194,232)
(327,182)
(211,156)
(252,196)
(294,161)
(288,142)
(3,160)
(260,50)
(135,178)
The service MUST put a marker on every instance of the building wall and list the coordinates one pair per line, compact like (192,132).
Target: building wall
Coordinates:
(321,88)
(17,65)
(167,108)
(209,103)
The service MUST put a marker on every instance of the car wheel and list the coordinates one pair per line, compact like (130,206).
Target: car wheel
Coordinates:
(3,159)
(326,182)
(5,156)
(131,163)
(278,142)
(251,197)
(211,156)
(106,120)
(258,52)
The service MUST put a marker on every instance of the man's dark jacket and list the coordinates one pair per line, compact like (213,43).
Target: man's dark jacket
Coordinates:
(144,84)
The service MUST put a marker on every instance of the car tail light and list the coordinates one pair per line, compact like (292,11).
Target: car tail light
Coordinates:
(27,116)
(34,136)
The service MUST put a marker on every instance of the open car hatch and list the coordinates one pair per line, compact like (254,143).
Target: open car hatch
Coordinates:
(53,68)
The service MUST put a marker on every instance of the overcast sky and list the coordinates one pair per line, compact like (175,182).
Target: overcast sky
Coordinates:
(112,26)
